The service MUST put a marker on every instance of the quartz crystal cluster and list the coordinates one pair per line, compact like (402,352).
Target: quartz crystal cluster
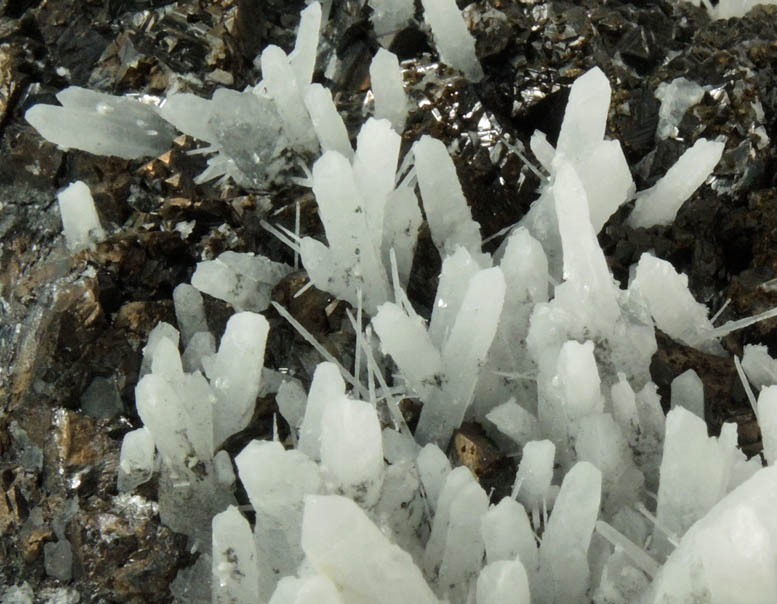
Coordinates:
(612,501)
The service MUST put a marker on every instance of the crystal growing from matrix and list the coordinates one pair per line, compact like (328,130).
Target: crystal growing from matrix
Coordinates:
(454,42)
(79,216)
(102,124)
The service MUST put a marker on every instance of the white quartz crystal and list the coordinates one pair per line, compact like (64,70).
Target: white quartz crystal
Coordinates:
(374,169)
(277,481)
(235,372)
(600,441)
(102,124)
(292,400)
(507,535)
(728,555)
(303,58)
(189,312)
(433,469)
(352,449)
(449,217)
(242,279)
(386,82)
(694,475)
(688,391)
(454,42)
(327,385)
(463,354)
(201,345)
(676,98)
(665,293)
(136,460)
(767,420)
(624,407)
(288,94)
(501,582)
(80,221)
(660,203)
(535,472)
(327,122)
(342,543)
(464,546)
(352,261)
(564,574)
(514,421)
(389,16)
(760,367)
(235,571)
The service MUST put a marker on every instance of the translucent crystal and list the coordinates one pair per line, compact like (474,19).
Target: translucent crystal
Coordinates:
(235,574)
(564,573)
(660,203)
(327,122)
(102,124)
(80,222)
(235,372)
(352,449)
(449,216)
(503,581)
(189,312)
(136,460)
(342,543)
(386,83)
(454,42)
(688,391)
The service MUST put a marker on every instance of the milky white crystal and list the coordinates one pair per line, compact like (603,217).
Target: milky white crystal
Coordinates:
(281,82)
(327,122)
(342,543)
(463,354)
(687,390)
(464,548)
(303,58)
(374,168)
(235,574)
(242,279)
(235,372)
(767,420)
(694,475)
(201,345)
(102,124)
(80,221)
(760,367)
(729,554)
(676,98)
(600,441)
(352,449)
(386,83)
(587,277)
(535,472)
(189,311)
(352,261)
(433,469)
(514,421)
(136,460)
(449,217)
(454,42)
(327,385)
(277,481)
(675,311)
(564,573)
(501,582)
(389,16)
(660,203)
(507,535)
